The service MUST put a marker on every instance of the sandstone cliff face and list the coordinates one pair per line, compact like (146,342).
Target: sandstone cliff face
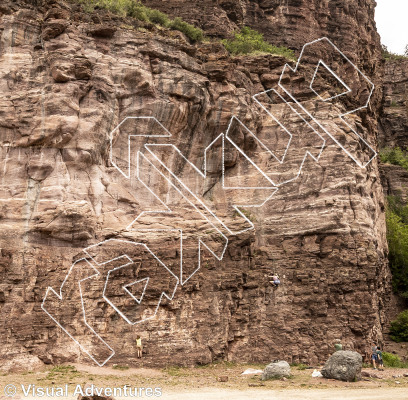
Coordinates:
(68,79)
(394,124)
(394,118)
(292,23)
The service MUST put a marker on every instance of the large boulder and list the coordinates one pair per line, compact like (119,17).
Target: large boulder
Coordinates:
(343,366)
(276,369)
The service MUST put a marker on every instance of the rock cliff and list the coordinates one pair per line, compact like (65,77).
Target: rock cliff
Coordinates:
(394,124)
(69,78)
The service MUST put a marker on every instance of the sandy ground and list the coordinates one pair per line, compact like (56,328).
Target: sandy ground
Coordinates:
(203,383)
(316,394)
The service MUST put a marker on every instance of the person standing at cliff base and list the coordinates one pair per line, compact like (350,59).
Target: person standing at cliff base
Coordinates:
(139,348)
(374,356)
(380,359)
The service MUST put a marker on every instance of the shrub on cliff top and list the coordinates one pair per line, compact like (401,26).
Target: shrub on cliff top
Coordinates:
(249,41)
(399,328)
(193,33)
(135,9)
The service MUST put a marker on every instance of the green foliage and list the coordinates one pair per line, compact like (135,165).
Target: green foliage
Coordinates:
(389,55)
(138,11)
(249,41)
(302,367)
(120,367)
(175,370)
(399,328)
(64,369)
(395,156)
(135,9)
(193,33)
(299,366)
(393,361)
(397,237)
(394,104)
(157,17)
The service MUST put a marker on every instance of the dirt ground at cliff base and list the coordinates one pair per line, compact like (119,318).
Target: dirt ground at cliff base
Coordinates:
(203,383)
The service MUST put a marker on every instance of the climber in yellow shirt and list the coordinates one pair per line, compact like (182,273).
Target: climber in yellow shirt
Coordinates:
(139,347)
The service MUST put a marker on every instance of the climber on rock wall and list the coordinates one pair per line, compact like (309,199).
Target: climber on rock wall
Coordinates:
(275,281)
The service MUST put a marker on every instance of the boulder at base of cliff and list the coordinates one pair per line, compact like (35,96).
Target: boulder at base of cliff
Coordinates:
(343,366)
(277,369)
(20,363)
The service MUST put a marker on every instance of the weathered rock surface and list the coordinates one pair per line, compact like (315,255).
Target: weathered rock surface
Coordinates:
(394,117)
(67,80)
(395,181)
(349,23)
(393,129)
(343,365)
(276,369)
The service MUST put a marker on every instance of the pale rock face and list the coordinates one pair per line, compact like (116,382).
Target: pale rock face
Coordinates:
(66,84)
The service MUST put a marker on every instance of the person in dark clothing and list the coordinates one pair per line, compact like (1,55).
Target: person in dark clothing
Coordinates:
(380,359)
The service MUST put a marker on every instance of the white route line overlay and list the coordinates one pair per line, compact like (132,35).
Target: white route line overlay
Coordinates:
(138,301)
(273,186)
(60,296)
(341,116)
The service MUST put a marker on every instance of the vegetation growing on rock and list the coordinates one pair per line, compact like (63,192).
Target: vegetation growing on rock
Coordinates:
(135,9)
(389,55)
(399,327)
(393,361)
(397,236)
(395,156)
(249,41)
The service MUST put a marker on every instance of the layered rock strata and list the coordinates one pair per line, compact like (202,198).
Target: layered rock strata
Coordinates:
(68,80)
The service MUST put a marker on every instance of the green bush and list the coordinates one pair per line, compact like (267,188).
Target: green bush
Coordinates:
(393,361)
(120,367)
(395,156)
(157,17)
(193,33)
(397,237)
(248,41)
(399,328)
(135,9)
(138,11)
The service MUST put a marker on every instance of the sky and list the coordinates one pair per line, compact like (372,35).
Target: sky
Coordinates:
(392,24)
